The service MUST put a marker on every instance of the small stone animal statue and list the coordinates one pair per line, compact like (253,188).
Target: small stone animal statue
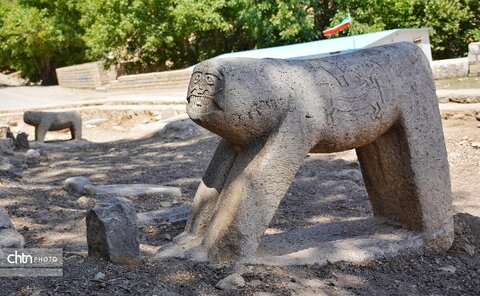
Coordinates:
(54,121)
(271,113)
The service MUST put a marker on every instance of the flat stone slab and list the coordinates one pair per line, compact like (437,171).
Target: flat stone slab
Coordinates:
(59,144)
(137,190)
(352,241)
(173,215)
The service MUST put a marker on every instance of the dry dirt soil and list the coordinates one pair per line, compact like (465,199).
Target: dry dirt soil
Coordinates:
(326,188)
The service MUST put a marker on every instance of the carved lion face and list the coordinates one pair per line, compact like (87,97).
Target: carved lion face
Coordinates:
(239,99)
(205,85)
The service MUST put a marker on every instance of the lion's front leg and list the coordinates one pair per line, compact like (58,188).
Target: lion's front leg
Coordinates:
(257,182)
(203,203)
(210,187)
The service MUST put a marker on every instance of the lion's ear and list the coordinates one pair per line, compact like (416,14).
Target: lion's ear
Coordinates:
(225,68)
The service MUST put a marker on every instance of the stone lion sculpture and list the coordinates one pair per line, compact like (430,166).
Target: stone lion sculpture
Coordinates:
(271,113)
(54,121)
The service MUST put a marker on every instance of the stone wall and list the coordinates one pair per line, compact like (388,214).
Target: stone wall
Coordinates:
(168,79)
(89,75)
(474,59)
(449,68)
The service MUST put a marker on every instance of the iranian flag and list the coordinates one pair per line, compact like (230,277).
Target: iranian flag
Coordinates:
(345,23)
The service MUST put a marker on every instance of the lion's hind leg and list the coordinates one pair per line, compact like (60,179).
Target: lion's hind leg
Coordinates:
(406,172)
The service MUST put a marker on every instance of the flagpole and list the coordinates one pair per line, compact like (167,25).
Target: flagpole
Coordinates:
(351,28)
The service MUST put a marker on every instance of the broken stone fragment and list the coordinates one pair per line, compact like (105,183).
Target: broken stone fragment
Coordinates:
(21,142)
(76,184)
(232,282)
(89,190)
(173,215)
(5,165)
(9,238)
(32,157)
(5,222)
(6,146)
(112,231)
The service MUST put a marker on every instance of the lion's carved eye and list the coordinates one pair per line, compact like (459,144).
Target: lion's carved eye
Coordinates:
(210,79)
(197,78)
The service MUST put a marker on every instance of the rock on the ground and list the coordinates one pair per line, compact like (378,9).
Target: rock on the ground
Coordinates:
(89,190)
(138,190)
(5,222)
(240,268)
(173,215)
(450,269)
(6,146)
(5,164)
(83,201)
(76,184)
(95,122)
(9,238)
(182,129)
(99,276)
(232,282)
(21,142)
(33,157)
(112,231)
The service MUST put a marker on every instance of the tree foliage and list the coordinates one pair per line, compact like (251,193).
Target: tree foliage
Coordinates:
(36,36)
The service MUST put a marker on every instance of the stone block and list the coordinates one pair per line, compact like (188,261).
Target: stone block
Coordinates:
(112,231)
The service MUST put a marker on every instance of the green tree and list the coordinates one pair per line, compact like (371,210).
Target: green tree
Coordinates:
(36,37)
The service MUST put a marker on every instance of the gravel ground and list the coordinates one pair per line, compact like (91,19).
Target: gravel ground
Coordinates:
(326,188)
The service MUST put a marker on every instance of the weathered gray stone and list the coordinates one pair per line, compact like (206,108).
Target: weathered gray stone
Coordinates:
(33,157)
(76,184)
(9,238)
(5,222)
(89,190)
(112,231)
(6,146)
(54,121)
(174,215)
(21,142)
(182,129)
(5,164)
(271,113)
(137,190)
(232,282)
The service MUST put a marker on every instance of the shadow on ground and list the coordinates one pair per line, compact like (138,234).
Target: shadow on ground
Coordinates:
(328,189)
